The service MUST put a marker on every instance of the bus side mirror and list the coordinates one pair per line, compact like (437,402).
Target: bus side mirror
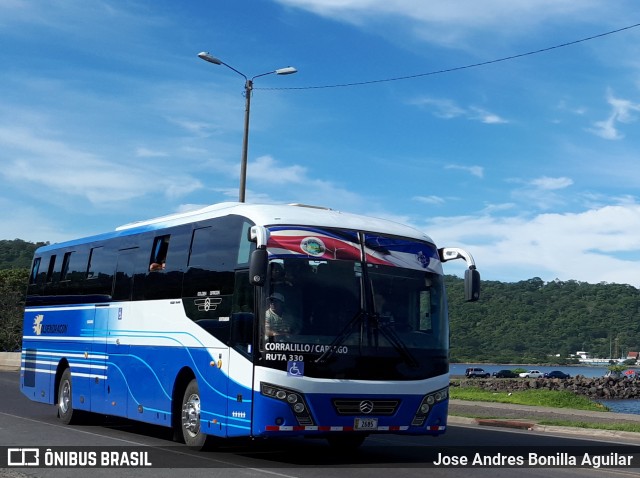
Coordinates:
(258,267)
(471,285)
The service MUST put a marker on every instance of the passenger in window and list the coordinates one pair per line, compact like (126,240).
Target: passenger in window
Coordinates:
(278,276)
(386,314)
(276,321)
(157,266)
(381,307)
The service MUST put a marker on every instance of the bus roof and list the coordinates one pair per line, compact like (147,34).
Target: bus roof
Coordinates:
(264,215)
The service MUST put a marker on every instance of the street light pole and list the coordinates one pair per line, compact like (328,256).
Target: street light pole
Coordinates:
(248,88)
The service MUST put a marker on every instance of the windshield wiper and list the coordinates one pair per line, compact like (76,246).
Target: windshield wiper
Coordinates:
(342,336)
(392,336)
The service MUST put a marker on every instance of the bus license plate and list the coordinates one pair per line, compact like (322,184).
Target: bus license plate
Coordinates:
(365,424)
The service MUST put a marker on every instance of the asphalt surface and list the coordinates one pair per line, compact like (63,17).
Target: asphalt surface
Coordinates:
(525,417)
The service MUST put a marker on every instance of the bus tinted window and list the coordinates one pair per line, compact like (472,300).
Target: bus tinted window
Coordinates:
(159,253)
(65,266)
(34,270)
(52,264)
(216,247)
(77,267)
(246,247)
(96,262)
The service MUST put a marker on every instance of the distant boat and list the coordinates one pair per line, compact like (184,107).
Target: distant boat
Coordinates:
(600,361)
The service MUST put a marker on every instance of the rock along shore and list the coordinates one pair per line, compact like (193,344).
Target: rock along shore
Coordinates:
(594,388)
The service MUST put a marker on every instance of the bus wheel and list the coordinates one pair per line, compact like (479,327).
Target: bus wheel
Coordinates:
(190,421)
(346,442)
(65,401)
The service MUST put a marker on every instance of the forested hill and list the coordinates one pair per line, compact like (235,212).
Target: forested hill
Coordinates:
(523,322)
(530,321)
(17,254)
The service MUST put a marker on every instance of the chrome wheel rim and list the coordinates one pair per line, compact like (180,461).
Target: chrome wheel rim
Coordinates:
(191,415)
(64,399)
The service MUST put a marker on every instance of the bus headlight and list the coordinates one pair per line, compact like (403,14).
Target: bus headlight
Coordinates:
(295,400)
(425,406)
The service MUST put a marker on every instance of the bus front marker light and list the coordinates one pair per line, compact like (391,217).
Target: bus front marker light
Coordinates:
(268,391)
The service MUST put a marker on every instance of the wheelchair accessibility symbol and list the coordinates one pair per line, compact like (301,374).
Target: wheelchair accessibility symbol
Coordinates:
(295,369)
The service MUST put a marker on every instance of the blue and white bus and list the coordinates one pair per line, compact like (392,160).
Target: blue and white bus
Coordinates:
(165,321)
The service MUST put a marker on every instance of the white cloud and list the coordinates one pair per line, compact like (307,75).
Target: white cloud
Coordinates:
(477,171)
(486,117)
(267,170)
(455,23)
(33,160)
(433,200)
(442,108)
(142,152)
(551,183)
(448,109)
(621,112)
(599,245)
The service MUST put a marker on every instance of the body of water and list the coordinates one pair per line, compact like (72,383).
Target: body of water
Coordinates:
(618,406)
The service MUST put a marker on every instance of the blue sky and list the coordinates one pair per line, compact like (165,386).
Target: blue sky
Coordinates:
(108,116)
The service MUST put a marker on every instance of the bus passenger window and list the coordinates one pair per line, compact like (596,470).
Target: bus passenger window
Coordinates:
(65,266)
(52,263)
(158,259)
(34,271)
(93,266)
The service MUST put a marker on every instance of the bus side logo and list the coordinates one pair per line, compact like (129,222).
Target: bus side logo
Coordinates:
(205,305)
(37,324)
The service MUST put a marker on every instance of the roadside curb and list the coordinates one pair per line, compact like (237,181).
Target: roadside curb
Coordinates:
(532,426)
(521,425)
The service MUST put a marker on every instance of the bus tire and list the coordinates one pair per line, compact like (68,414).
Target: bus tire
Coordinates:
(66,413)
(190,417)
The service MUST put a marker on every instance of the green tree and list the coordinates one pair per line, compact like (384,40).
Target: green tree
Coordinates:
(17,254)
(13,285)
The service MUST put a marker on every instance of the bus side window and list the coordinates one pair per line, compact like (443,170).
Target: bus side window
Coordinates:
(52,264)
(33,278)
(66,260)
(77,271)
(158,259)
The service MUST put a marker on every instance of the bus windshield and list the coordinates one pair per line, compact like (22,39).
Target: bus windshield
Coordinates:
(367,319)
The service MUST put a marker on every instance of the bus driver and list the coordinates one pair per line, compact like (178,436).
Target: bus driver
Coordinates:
(276,322)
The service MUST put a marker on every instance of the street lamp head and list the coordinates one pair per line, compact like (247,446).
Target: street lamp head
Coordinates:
(207,57)
(248,87)
(289,70)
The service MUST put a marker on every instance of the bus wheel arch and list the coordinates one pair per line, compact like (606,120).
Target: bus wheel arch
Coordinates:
(185,411)
(182,380)
(64,394)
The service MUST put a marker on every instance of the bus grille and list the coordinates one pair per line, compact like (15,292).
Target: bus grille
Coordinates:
(365,406)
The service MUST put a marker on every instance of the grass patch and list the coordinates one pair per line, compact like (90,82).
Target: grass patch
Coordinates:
(620,427)
(541,398)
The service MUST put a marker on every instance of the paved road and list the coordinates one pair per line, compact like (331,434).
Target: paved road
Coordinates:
(28,424)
